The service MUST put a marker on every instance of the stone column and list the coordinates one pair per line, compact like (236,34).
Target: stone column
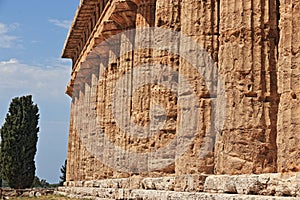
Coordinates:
(78,150)
(199,23)
(102,171)
(123,89)
(83,117)
(91,126)
(111,131)
(289,87)
(162,100)
(79,133)
(71,146)
(82,121)
(92,117)
(85,130)
(247,63)
(140,98)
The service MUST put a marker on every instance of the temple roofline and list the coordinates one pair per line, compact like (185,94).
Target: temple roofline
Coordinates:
(83,23)
(86,20)
(90,28)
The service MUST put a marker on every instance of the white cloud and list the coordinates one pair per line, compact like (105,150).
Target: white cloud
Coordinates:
(61,23)
(11,61)
(47,83)
(6,39)
(3,28)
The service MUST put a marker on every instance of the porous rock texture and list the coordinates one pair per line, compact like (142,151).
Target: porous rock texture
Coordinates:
(263,186)
(235,100)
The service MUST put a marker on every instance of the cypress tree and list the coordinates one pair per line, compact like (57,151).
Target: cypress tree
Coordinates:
(19,140)
(63,171)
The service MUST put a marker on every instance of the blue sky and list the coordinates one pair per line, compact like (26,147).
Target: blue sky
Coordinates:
(32,35)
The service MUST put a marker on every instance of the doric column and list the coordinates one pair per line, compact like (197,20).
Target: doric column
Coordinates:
(247,63)
(140,103)
(71,147)
(102,171)
(289,87)
(199,22)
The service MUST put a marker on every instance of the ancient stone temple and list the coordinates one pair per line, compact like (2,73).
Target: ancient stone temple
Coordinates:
(184,99)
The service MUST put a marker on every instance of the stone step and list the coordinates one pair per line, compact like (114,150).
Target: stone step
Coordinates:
(110,193)
(272,184)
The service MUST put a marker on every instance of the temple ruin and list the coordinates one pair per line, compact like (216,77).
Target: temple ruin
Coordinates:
(184,99)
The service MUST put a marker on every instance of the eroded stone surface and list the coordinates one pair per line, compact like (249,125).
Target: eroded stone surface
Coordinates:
(244,187)
(289,87)
(255,48)
(262,184)
(98,194)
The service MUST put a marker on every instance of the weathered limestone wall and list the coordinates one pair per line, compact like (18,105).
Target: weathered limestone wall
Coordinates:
(255,46)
